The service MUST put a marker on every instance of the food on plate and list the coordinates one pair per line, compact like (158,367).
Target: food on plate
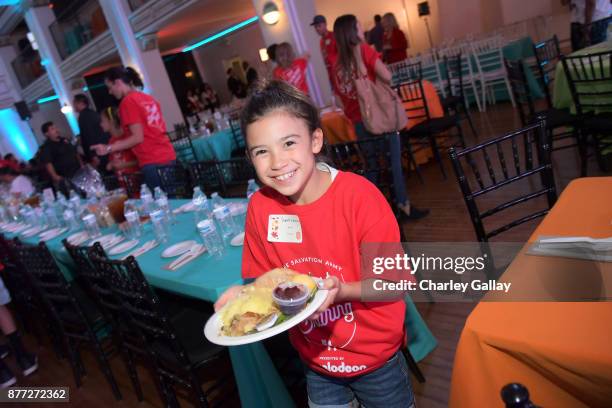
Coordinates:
(256,309)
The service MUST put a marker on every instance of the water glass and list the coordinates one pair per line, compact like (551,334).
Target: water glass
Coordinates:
(160,225)
(238,211)
(91,226)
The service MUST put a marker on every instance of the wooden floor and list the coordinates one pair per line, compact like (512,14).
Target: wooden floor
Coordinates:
(448,221)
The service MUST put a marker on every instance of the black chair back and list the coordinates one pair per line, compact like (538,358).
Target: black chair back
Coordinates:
(370,158)
(206,175)
(183,147)
(139,303)
(237,135)
(520,89)
(132,183)
(406,70)
(453,76)
(589,77)
(235,175)
(111,182)
(412,92)
(547,55)
(519,156)
(175,180)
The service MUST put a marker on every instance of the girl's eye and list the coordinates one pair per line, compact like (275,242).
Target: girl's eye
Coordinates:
(289,143)
(259,152)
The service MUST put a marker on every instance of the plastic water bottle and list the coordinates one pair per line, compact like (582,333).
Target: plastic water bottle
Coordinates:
(132,220)
(71,221)
(161,200)
(52,220)
(200,202)
(225,221)
(147,199)
(211,239)
(160,225)
(216,200)
(251,188)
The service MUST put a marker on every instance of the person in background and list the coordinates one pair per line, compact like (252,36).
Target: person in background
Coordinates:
(19,185)
(27,362)
(327,45)
(59,157)
(271,51)
(235,85)
(193,102)
(91,132)
(585,14)
(12,161)
(356,58)
(250,73)
(123,161)
(143,123)
(375,35)
(209,98)
(394,40)
(291,69)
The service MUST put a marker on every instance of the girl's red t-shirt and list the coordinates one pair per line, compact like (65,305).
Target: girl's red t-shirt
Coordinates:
(350,338)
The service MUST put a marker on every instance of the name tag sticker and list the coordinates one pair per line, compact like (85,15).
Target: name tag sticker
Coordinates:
(284,228)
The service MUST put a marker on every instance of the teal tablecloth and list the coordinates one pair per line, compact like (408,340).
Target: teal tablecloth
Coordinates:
(217,146)
(520,50)
(259,383)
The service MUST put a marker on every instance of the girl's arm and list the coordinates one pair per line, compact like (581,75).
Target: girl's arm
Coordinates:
(136,137)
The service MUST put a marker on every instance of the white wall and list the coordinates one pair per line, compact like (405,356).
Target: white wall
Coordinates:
(244,43)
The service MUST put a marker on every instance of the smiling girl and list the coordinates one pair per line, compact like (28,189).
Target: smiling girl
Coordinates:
(313,218)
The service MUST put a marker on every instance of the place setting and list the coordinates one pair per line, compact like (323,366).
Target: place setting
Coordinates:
(186,251)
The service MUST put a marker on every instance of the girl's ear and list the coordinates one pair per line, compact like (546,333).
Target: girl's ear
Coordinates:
(317,141)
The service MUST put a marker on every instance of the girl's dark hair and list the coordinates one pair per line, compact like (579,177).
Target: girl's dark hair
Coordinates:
(345,32)
(279,95)
(126,74)
(112,114)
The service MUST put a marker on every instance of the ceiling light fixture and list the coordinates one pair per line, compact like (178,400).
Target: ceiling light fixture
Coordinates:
(270,14)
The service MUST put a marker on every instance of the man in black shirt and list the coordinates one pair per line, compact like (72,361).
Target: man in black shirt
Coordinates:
(91,131)
(59,157)
(235,85)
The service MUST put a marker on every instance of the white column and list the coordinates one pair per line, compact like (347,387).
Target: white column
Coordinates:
(294,27)
(148,63)
(39,17)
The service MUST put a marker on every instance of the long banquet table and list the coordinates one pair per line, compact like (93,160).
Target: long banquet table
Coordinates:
(561,351)
(259,383)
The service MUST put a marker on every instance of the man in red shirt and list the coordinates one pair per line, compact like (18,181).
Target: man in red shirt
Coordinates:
(328,45)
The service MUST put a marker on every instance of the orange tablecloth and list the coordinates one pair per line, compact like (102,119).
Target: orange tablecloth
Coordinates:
(337,128)
(562,352)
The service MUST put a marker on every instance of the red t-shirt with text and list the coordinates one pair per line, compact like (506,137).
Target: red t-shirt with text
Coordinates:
(295,74)
(345,85)
(138,107)
(353,337)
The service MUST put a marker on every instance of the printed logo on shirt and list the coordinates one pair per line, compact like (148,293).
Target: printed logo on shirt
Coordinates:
(154,118)
(343,368)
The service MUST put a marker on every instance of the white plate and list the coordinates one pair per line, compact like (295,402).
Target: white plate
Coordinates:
(212,330)
(238,240)
(177,249)
(77,238)
(31,231)
(124,246)
(52,233)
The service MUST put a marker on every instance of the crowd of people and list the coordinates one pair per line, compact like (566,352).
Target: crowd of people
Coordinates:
(202,99)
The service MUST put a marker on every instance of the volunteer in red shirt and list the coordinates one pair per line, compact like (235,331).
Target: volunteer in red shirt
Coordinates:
(394,40)
(141,119)
(327,44)
(312,218)
(291,69)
